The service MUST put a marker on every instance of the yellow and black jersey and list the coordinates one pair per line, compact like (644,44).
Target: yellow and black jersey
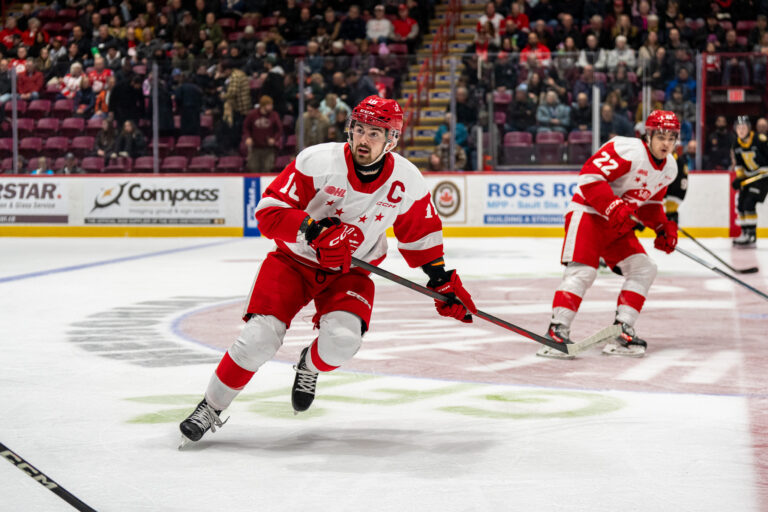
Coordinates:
(750,154)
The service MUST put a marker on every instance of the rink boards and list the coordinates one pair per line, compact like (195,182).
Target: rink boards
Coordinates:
(470,204)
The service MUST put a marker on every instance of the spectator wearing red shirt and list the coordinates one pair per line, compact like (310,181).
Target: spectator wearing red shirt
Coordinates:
(517,17)
(543,55)
(99,75)
(10,30)
(405,29)
(262,132)
(29,36)
(29,83)
(495,19)
(20,62)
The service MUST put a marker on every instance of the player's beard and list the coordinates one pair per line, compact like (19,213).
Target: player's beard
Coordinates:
(364,155)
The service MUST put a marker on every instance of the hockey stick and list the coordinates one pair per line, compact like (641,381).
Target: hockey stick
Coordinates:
(753,179)
(566,349)
(41,477)
(750,270)
(711,267)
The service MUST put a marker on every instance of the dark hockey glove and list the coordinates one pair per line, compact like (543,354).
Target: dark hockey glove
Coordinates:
(666,237)
(619,215)
(334,242)
(460,305)
(736,183)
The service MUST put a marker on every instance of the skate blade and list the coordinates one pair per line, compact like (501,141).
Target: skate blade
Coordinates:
(185,441)
(613,349)
(551,353)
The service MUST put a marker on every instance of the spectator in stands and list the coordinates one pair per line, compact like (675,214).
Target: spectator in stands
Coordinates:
(553,116)
(602,36)
(685,82)
(313,60)
(332,105)
(57,50)
(352,29)
(761,126)
(70,84)
(273,85)
(624,27)
(187,32)
(542,31)
(99,74)
(661,69)
(461,134)
(29,84)
(85,99)
(331,23)
(44,64)
(103,39)
(189,103)
(624,87)
(340,56)
(566,57)
(719,142)
(621,54)
(364,59)
(614,100)
(262,133)
(581,113)
(20,61)
(646,53)
(116,28)
(315,124)
(685,111)
(42,166)
(759,62)
(5,86)
(566,29)
(494,18)
(405,29)
(213,30)
(101,105)
(70,165)
(586,81)
(612,125)
(306,26)
(130,142)
(378,29)
(360,87)
(126,101)
(443,153)
(755,37)
(29,36)
(238,91)
(592,55)
(517,17)
(731,45)
(9,31)
(505,72)
(592,8)
(483,44)
(543,55)
(535,86)
(182,59)
(466,110)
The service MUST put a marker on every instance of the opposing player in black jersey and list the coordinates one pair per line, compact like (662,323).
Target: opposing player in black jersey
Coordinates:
(749,155)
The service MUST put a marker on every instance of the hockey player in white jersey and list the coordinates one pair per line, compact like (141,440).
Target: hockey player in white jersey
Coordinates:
(334,200)
(626,177)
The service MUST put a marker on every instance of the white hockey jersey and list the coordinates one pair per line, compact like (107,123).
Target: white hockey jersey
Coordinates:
(322,182)
(623,167)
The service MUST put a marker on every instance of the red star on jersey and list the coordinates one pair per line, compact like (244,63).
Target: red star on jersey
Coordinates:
(362,219)
(339,211)
(637,179)
(330,203)
(380,216)
(645,184)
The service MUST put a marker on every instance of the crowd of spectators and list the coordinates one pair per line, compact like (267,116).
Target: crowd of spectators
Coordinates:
(232,64)
(542,58)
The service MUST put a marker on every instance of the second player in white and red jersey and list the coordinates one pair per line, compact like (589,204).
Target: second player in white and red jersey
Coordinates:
(623,182)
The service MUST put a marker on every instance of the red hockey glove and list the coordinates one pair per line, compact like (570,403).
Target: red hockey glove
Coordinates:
(666,237)
(459,305)
(334,242)
(619,213)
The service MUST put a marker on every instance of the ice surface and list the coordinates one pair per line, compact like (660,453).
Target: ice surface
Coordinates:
(106,344)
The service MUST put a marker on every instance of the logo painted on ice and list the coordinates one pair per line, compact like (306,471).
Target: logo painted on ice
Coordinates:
(447,198)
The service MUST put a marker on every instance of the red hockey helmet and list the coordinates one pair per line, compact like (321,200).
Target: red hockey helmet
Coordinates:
(381,112)
(663,120)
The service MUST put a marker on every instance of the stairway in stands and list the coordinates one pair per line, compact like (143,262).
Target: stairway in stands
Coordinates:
(438,99)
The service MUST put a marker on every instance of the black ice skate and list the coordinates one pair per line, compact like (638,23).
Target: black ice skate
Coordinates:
(747,239)
(304,384)
(626,344)
(202,419)
(561,334)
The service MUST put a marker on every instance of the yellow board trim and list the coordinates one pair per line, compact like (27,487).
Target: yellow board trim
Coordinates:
(114,231)
(558,232)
